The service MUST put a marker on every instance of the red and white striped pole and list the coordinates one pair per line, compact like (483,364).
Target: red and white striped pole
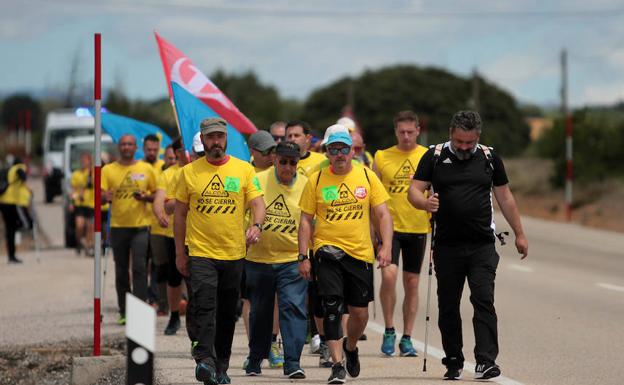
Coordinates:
(569,167)
(97,204)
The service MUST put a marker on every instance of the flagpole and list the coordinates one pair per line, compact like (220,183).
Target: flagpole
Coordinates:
(97,204)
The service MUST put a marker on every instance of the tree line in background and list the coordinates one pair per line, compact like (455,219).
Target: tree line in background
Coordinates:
(375,96)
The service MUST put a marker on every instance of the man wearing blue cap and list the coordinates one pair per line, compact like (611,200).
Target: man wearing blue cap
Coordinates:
(341,197)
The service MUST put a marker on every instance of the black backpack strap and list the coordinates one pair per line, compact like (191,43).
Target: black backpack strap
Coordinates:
(487,151)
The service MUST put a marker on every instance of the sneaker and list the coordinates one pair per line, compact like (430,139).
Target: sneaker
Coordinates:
(325,357)
(315,344)
(486,371)
(276,358)
(363,337)
(253,369)
(121,320)
(387,346)
(15,260)
(172,327)
(206,374)
(223,378)
(353,360)
(406,348)
(452,374)
(338,374)
(297,374)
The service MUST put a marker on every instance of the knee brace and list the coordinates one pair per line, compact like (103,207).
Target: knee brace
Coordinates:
(333,308)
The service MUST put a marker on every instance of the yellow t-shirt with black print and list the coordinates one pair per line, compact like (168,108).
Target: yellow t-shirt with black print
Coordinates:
(341,204)
(278,243)
(82,184)
(310,163)
(217,196)
(125,180)
(163,181)
(397,169)
(17,193)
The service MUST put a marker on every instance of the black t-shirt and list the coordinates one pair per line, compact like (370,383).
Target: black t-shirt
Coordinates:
(464,188)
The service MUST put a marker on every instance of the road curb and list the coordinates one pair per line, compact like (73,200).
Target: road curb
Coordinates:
(88,370)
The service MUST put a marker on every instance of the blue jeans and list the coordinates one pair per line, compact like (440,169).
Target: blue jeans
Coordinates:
(263,282)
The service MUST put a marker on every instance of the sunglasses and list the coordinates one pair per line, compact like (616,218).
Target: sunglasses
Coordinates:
(278,138)
(291,162)
(335,150)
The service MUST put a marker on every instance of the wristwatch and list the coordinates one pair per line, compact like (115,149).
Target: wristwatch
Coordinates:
(302,257)
(259,226)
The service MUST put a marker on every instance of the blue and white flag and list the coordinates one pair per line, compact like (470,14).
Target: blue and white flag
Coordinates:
(117,125)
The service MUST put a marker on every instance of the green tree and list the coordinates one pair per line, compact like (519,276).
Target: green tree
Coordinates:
(434,94)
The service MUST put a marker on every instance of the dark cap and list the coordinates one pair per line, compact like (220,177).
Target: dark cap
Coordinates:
(213,125)
(288,149)
(261,141)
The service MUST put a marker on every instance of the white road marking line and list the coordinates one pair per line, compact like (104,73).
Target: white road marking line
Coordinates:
(525,269)
(438,353)
(608,286)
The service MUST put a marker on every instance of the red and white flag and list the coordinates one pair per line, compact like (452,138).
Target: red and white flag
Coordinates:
(180,69)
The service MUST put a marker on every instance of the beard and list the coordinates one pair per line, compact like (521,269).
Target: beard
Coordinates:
(216,151)
(463,154)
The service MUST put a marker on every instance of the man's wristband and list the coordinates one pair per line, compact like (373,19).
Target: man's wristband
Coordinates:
(259,226)
(302,257)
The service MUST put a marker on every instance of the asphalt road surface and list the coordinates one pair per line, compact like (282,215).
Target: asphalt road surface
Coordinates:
(560,313)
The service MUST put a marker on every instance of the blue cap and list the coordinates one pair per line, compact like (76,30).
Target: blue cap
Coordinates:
(339,137)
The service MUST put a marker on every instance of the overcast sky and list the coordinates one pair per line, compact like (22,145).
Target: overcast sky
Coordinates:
(299,46)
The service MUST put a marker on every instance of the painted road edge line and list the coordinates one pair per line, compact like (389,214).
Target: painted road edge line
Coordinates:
(609,286)
(525,269)
(438,353)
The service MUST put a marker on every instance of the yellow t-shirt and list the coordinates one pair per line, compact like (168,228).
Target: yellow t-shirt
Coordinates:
(217,196)
(278,243)
(155,228)
(17,193)
(163,182)
(397,169)
(310,164)
(80,184)
(341,204)
(125,180)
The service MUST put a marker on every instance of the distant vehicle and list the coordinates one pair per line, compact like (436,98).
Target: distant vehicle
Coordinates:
(60,125)
(73,148)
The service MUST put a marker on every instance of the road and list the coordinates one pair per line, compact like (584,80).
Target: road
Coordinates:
(560,312)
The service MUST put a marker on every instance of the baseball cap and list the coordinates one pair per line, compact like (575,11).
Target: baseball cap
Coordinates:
(339,137)
(261,140)
(288,149)
(198,146)
(213,125)
(332,130)
(347,122)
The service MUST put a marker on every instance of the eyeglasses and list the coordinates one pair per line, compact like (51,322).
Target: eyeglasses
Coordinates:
(266,152)
(292,162)
(335,150)
(278,138)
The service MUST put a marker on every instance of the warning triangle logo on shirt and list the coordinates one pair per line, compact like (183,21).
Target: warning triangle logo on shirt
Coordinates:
(278,207)
(128,183)
(215,188)
(406,171)
(345,196)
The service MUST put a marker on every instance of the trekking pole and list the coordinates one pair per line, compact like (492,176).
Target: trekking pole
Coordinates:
(432,221)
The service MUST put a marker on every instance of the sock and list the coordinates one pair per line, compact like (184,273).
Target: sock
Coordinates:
(322,337)
(175,315)
(390,330)
(406,337)
(274,338)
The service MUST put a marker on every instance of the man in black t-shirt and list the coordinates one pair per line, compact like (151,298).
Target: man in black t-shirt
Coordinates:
(463,174)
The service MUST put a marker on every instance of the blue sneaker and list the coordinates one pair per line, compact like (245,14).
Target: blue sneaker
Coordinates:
(205,373)
(406,348)
(387,346)
(223,378)
(253,369)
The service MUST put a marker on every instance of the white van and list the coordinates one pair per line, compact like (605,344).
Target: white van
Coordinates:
(60,125)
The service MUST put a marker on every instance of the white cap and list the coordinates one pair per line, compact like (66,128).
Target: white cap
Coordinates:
(198,146)
(347,122)
(332,130)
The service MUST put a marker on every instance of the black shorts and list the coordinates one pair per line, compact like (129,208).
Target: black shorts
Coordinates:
(314,300)
(347,277)
(412,247)
(86,212)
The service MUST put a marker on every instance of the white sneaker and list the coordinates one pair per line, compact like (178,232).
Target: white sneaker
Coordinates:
(315,344)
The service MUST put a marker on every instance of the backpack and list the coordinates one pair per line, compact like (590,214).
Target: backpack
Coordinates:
(4,179)
(486,151)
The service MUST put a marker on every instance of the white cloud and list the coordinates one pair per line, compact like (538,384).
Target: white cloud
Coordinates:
(602,94)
